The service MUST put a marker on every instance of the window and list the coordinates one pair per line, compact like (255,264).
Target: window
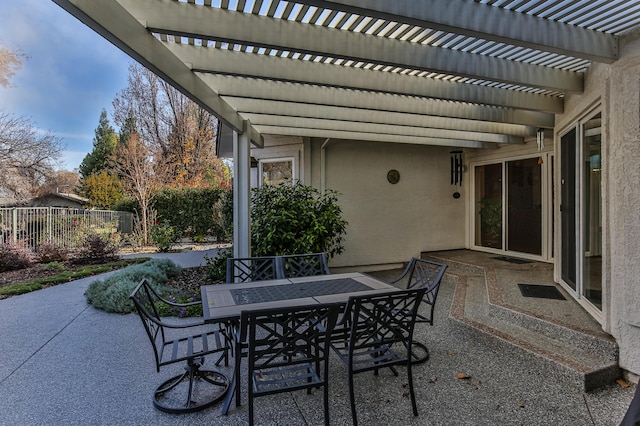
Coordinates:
(276,171)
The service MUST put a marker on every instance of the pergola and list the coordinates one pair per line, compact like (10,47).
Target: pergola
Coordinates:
(459,73)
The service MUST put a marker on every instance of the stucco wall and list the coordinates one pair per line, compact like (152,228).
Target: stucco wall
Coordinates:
(617,88)
(624,201)
(391,223)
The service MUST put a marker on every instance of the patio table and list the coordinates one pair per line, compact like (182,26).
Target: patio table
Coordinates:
(225,302)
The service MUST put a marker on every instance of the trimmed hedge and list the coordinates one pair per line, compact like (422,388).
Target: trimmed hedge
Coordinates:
(191,211)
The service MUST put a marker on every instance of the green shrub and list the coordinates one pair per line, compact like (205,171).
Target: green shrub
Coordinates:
(164,236)
(14,256)
(191,211)
(54,266)
(289,219)
(216,267)
(112,294)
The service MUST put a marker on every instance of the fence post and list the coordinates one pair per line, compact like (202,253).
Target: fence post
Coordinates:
(14,224)
(49,227)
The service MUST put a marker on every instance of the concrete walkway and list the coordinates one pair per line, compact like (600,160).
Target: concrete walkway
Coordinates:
(62,362)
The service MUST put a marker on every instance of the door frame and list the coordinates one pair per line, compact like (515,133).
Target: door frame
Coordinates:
(547,207)
(579,212)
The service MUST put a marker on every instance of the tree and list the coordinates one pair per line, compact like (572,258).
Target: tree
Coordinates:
(104,145)
(102,189)
(27,156)
(10,62)
(134,165)
(61,181)
(181,134)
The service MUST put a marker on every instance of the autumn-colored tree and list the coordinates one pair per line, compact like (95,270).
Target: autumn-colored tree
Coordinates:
(134,165)
(61,181)
(181,134)
(104,145)
(102,189)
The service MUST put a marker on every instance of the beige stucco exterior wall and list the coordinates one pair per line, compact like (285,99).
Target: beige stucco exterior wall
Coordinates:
(616,88)
(390,223)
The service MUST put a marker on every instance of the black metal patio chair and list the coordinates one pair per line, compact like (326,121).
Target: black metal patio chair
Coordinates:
(380,335)
(303,265)
(424,274)
(177,341)
(245,269)
(287,349)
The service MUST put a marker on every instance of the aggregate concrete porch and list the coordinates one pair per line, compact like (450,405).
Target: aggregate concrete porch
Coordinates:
(66,363)
(487,298)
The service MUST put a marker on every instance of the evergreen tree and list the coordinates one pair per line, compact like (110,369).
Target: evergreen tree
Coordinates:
(104,145)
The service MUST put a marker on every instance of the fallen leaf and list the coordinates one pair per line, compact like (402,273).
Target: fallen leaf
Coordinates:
(451,353)
(623,383)
(406,393)
(521,405)
(463,376)
(433,379)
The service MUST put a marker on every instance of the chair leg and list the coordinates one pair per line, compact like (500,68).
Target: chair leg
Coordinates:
(352,399)
(412,393)
(166,400)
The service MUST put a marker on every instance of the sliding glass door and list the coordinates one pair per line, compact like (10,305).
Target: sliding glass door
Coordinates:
(581,210)
(509,211)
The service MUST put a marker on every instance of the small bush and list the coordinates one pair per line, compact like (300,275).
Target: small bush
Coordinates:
(54,266)
(98,248)
(112,294)
(14,256)
(216,267)
(50,252)
(164,236)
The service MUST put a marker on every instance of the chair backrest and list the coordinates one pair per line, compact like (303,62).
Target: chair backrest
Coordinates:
(383,320)
(145,299)
(303,265)
(288,336)
(244,269)
(428,275)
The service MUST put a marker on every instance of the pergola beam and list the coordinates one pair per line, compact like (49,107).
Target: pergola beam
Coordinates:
(371,137)
(246,106)
(197,21)
(488,23)
(217,61)
(230,86)
(381,128)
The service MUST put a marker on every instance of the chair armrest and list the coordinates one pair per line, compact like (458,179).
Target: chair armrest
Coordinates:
(404,273)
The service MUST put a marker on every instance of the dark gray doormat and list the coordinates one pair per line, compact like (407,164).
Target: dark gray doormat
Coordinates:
(541,291)
(512,259)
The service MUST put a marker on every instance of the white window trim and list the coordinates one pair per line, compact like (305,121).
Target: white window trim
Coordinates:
(294,167)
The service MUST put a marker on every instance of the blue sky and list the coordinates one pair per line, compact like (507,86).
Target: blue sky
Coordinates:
(72,73)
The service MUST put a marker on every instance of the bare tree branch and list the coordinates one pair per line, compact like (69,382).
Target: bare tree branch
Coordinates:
(27,156)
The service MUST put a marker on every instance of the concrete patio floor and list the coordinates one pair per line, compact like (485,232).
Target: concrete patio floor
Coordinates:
(65,363)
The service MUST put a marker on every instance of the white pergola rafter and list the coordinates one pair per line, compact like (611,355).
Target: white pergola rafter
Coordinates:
(201,22)
(489,23)
(249,88)
(372,137)
(274,121)
(324,112)
(228,62)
